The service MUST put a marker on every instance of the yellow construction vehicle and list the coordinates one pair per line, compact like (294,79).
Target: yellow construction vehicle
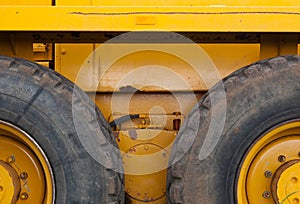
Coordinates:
(150,101)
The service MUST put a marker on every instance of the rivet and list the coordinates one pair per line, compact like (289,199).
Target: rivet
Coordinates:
(295,200)
(294,180)
(146,147)
(24,196)
(266,194)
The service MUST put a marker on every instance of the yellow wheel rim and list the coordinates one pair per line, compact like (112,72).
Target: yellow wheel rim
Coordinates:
(25,173)
(271,168)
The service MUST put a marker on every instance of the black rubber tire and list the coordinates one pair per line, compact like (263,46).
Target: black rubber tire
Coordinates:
(258,97)
(39,101)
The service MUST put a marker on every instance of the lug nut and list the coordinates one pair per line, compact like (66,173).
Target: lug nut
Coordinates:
(266,194)
(24,196)
(23,175)
(11,159)
(268,174)
(281,158)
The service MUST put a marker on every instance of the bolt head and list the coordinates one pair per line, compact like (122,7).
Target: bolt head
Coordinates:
(281,158)
(268,174)
(24,196)
(23,175)
(11,159)
(266,194)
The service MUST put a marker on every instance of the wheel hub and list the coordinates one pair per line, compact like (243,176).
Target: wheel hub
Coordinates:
(286,184)
(10,185)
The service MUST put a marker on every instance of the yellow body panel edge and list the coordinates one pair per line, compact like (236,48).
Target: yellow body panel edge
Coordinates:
(197,19)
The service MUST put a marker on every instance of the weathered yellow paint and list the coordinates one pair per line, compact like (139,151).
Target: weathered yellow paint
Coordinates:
(279,44)
(144,102)
(26,2)
(178,3)
(70,57)
(229,57)
(16,45)
(164,18)
(226,57)
(43,52)
(145,146)
(145,159)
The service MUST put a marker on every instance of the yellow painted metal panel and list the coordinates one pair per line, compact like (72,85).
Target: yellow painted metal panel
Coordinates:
(178,2)
(200,19)
(273,45)
(144,102)
(16,45)
(230,57)
(69,58)
(226,57)
(26,2)
(145,160)
(153,70)
(42,52)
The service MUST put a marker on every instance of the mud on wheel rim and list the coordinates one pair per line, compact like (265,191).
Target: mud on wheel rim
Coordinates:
(270,171)
(26,175)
